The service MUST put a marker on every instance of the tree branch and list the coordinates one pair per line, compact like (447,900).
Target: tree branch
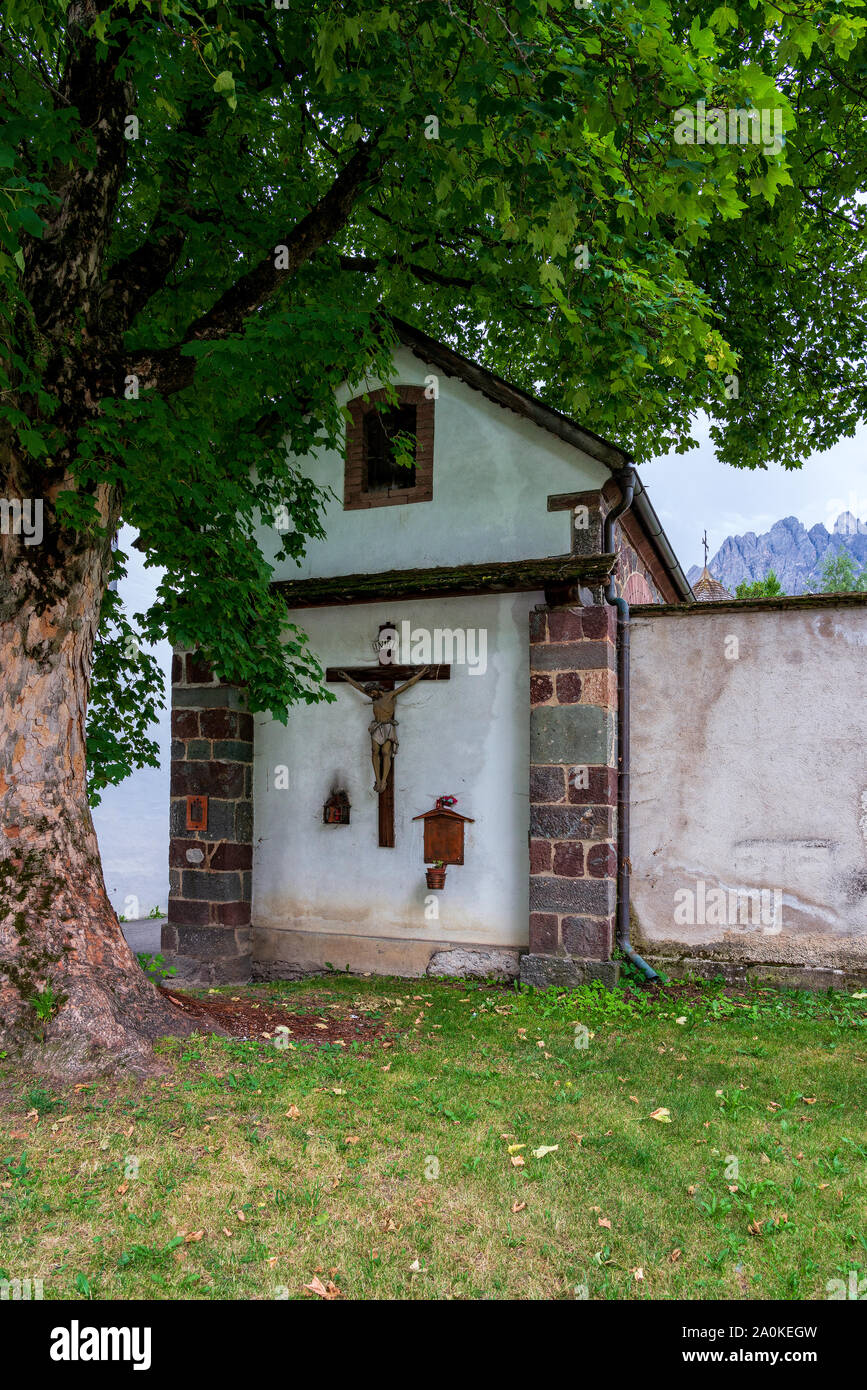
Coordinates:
(83,218)
(167,370)
(368,265)
(136,278)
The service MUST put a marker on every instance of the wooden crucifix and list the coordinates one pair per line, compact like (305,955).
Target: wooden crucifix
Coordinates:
(377,684)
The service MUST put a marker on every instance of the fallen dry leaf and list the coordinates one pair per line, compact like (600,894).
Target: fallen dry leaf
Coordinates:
(674,1256)
(516,1161)
(661,1114)
(327,1291)
(544,1149)
(518,1206)
(603,1221)
(193,1236)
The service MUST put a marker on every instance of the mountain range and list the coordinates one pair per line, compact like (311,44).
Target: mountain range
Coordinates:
(795,554)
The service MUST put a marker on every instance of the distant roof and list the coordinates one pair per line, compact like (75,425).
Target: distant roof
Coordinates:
(709,590)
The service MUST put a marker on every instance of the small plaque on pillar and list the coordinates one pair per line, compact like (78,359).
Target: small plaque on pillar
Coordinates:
(197,813)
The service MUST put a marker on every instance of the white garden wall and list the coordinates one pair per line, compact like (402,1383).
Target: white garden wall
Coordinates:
(749,772)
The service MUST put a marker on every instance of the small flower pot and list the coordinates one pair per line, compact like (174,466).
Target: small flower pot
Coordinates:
(436,878)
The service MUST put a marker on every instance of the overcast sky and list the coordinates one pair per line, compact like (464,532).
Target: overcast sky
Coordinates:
(693,491)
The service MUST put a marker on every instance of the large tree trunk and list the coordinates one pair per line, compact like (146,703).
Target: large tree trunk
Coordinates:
(73,998)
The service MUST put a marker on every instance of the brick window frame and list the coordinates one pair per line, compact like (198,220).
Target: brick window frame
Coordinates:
(355,494)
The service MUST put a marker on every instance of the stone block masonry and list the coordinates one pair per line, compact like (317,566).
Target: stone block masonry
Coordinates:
(207,936)
(573,796)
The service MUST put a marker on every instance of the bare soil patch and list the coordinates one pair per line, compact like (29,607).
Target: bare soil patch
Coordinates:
(251,1020)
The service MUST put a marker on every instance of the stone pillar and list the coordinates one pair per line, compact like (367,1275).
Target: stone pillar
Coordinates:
(573,796)
(207,936)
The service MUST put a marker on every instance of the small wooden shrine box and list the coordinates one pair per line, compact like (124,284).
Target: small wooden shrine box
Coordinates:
(443,835)
(336,809)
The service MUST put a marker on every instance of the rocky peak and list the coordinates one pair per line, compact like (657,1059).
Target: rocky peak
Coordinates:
(795,554)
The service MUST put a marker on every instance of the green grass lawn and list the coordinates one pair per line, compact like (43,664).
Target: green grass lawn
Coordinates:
(249,1170)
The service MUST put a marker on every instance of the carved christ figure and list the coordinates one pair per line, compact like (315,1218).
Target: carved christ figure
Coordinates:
(383,729)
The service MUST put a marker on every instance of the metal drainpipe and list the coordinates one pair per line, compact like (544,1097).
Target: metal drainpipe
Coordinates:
(626,481)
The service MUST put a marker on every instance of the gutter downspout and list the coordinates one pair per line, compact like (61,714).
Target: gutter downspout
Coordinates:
(626,480)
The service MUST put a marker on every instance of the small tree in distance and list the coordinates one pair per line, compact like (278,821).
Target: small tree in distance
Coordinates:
(840,576)
(769,587)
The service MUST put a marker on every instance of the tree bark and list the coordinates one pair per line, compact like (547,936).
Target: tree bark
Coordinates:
(73,999)
(72,996)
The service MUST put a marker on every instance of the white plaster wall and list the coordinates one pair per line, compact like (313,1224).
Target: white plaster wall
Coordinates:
(468,737)
(493,473)
(752,773)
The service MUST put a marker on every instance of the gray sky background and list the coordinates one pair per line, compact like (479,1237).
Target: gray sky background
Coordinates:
(690,492)
(693,491)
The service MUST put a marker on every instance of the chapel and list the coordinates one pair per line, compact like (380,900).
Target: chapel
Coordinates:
(454,807)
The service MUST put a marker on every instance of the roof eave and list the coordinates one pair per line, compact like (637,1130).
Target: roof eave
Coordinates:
(511,397)
(546,417)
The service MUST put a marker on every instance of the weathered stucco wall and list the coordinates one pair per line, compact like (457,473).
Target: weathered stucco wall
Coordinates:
(493,472)
(330,893)
(749,772)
